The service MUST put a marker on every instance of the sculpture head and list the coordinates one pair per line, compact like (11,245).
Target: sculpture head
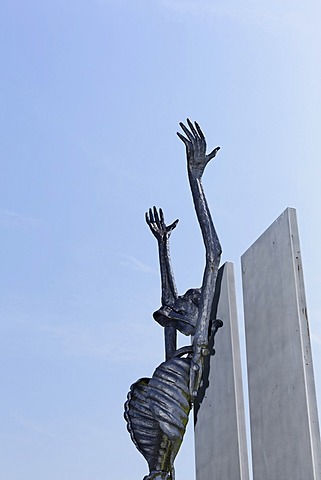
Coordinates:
(182,314)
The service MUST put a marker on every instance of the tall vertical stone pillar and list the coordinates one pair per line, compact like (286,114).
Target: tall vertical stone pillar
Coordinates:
(283,411)
(220,438)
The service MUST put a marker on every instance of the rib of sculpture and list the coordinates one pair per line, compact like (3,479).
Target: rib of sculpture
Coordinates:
(157,408)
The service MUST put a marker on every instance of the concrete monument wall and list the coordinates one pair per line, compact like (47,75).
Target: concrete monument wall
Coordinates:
(220,438)
(284,422)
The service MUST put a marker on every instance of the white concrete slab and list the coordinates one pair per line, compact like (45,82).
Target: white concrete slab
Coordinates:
(220,438)
(283,410)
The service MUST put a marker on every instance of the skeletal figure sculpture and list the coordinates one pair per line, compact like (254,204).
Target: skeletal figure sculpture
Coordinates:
(157,408)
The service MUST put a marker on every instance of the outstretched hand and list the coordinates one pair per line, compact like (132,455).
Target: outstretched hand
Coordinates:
(195,143)
(156,222)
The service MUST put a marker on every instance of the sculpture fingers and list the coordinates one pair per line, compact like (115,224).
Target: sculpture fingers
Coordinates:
(187,132)
(200,132)
(156,217)
(172,225)
(161,216)
(147,219)
(212,154)
(151,216)
(187,142)
(162,224)
(191,126)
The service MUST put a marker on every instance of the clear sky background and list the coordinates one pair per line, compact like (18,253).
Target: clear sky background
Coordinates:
(91,96)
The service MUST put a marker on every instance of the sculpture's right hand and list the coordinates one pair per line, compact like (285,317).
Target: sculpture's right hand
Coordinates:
(156,222)
(195,144)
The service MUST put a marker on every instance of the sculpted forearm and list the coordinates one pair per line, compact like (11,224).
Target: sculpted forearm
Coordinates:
(197,159)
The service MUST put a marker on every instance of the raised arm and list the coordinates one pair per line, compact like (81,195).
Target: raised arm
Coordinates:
(197,159)
(162,232)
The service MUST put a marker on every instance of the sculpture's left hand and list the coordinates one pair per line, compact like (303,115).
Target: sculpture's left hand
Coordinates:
(195,143)
(156,223)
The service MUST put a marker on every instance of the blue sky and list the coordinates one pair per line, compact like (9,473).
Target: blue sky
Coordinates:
(91,96)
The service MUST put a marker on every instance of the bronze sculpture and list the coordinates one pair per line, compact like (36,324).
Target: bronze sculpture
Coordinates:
(157,408)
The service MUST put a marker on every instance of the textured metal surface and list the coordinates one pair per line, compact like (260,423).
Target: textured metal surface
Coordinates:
(157,412)
(157,409)
(142,426)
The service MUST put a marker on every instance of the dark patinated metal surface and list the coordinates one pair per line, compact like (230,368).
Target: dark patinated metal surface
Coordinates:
(157,408)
